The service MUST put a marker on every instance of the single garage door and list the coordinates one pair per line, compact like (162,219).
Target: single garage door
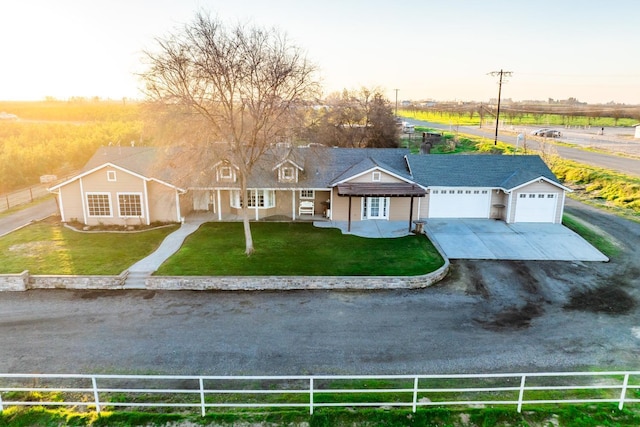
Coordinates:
(459,203)
(536,207)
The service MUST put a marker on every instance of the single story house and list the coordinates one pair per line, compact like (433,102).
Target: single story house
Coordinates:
(119,186)
(314,182)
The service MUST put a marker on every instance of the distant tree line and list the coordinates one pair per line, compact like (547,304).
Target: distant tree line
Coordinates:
(526,112)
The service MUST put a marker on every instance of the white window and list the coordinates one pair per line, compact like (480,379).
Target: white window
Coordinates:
(484,191)
(307,194)
(467,191)
(288,173)
(130,204)
(226,172)
(435,191)
(111,176)
(459,191)
(255,199)
(99,204)
(236,200)
(550,196)
(532,196)
(452,192)
(476,191)
(376,176)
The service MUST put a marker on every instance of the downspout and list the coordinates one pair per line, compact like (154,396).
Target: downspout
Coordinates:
(508,217)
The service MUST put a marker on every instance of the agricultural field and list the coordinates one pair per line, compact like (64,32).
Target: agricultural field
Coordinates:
(57,138)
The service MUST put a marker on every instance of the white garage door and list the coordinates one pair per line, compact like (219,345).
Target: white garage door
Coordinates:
(536,207)
(459,203)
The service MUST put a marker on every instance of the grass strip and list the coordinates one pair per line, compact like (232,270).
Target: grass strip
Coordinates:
(47,247)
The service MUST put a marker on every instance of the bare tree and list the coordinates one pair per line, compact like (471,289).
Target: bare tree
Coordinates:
(355,118)
(241,83)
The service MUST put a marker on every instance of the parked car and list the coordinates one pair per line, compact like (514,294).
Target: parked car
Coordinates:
(548,133)
(7,116)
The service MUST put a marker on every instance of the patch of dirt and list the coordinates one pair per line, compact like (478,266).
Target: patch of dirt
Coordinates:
(33,249)
(513,317)
(605,299)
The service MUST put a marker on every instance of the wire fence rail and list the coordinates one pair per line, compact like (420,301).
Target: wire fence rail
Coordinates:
(23,196)
(154,392)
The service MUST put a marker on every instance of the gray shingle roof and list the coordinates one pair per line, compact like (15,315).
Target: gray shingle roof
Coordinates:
(134,159)
(481,170)
(325,166)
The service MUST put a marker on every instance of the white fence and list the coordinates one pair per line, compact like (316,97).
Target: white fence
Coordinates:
(109,392)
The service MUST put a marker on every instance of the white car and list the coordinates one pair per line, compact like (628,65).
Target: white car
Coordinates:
(7,116)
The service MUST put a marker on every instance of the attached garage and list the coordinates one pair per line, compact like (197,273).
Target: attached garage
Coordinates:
(459,203)
(536,207)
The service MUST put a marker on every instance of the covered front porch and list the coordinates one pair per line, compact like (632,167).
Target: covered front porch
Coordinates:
(209,216)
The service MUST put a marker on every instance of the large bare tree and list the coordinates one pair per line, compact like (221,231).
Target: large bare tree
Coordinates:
(355,118)
(237,87)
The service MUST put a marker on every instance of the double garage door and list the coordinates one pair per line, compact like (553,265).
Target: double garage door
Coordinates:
(459,203)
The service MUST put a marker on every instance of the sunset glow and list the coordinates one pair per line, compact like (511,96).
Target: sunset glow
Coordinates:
(425,49)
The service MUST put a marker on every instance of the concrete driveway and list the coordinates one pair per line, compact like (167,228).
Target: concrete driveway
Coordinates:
(491,239)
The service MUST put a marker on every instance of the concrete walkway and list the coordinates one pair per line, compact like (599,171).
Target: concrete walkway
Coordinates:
(372,228)
(142,269)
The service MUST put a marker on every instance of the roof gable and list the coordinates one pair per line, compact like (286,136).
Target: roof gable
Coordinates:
(137,161)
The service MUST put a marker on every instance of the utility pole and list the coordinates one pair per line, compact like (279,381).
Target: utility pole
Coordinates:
(501,74)
(396,101)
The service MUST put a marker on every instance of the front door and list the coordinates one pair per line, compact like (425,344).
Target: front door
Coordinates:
(375,208)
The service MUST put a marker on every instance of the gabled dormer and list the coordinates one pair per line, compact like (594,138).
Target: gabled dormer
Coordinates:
(288,171)
(225,171)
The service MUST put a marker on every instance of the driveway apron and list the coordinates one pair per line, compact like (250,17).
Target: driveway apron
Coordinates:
(491,239)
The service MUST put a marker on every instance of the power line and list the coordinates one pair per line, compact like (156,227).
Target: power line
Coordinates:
(502,74)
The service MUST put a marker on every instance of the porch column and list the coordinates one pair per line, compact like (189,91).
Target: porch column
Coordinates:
(293,204)
(219,207)
(349,219)
(410,213)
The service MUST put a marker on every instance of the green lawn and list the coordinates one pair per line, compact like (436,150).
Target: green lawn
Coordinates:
(49,248)
(217,249)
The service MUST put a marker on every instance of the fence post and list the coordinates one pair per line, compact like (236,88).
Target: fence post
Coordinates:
(96,397)
(311,395)
(521,394)
(1,405)
(415,394)
(625,383)
(202,403)
(31,194)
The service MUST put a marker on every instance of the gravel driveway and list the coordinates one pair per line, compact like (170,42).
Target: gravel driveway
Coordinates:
(486,316)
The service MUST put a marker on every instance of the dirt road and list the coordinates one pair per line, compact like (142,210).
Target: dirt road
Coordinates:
(487,316)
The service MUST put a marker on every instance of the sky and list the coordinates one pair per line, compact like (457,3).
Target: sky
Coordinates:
(426,49)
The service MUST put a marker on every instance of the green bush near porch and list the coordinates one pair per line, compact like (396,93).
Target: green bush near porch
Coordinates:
(217,249)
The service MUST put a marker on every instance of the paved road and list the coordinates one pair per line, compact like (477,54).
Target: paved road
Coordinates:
(25,216)
(486,316)
(626,165)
